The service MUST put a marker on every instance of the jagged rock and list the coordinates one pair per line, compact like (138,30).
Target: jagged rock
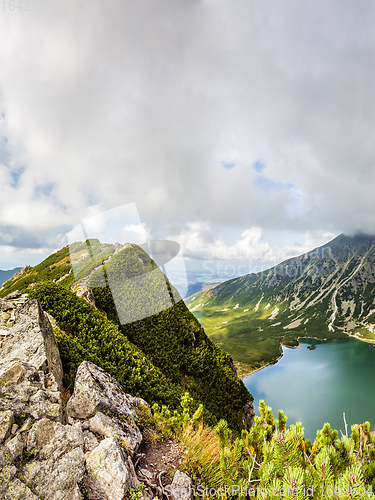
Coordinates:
(16,490)
(59,461)
(127,433)
(6,423)
(23,390)
(247,415)
(76,494)
(84,292)
(55,479)
(181,487)
(109,472)
(89,441)
(42,456)
(46,403)
(31,340)
(50,440)
(21,272)
(233,368)
(96,390)
(8,307)
(14,447)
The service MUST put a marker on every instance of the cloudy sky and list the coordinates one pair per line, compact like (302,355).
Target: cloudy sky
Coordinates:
(244,130)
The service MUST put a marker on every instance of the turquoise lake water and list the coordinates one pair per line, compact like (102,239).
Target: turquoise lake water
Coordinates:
(317,386)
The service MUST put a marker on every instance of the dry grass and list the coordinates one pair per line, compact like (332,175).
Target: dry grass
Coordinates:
(203,453)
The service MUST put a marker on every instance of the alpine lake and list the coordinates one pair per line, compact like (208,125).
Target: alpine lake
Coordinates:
(317,382)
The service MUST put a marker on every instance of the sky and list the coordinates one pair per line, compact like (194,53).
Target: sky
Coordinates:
(243,130)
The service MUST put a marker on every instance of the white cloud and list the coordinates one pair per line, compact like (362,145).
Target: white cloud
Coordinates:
(199,241)
(149,102)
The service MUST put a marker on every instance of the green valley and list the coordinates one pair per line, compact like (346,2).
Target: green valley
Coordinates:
(326,293)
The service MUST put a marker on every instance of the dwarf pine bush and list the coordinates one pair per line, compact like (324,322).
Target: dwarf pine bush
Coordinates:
(272,460)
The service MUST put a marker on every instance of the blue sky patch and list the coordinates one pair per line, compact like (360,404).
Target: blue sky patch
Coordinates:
(259,166)
(44,190)
(268,185)
(15,176)
(228,165)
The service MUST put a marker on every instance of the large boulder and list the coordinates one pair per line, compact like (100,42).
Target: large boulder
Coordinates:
(95,390)
(30,340)
(110,473)
(126,433)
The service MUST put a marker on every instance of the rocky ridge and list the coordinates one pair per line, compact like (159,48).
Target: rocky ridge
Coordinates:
(50,450)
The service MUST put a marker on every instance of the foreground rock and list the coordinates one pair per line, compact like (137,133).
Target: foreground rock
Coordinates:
(110,472)
(247,415)
(181,487)
(31,340)
(48,451)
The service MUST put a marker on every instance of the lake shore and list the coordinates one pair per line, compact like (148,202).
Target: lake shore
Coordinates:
(247,374)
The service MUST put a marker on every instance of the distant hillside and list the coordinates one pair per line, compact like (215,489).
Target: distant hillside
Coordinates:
(5,275)
(326,293)
(140,330)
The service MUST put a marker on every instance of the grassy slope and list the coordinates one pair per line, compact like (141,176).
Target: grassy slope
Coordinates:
(156,357)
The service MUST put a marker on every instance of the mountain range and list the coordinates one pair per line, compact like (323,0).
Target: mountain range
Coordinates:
(5,275)
(326,293)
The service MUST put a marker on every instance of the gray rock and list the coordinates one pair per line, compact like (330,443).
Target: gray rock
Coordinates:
(247,415)
(6,424)
(109,475)
(48,404)
(50,440)
(181,487)
(55,479)
(128,434)
(14,447)
(30,340)
(96,390)
(89,441)
(8,307)
(16,490)
(84,292)
(76,494)
(23,390)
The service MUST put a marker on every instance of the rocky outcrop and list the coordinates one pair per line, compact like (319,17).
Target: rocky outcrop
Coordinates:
(8,308)
(51,451)
(95,390)
(247,415)
(84,292)
(21,272)
(110,472)
(31,340)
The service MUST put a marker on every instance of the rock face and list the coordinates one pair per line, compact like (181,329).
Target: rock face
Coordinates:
(95,390)
(49,451)
(84,292)
(8,307)
(247,416)
(30,339)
